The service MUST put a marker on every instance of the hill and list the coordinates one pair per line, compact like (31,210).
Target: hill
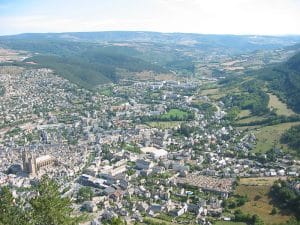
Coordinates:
(284,81)
(92,58)
(234,43)
(87,64)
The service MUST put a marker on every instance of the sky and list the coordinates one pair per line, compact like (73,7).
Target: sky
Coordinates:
(259,17)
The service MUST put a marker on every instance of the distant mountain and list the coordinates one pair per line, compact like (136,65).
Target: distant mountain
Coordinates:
(236,43)
(86,64)
(92,58)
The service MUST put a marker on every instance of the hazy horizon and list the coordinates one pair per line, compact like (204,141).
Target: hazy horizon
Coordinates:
(150,31)
(235,17)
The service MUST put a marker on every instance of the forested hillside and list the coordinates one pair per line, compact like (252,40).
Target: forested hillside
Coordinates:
(284,81)
(87,64)
(92,58)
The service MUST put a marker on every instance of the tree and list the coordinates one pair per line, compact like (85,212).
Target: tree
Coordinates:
(85,194)
(10,213)
(291,137)
(114,221)
(48,207)
(274,211)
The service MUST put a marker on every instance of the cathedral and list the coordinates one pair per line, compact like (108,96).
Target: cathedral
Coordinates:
(32,164)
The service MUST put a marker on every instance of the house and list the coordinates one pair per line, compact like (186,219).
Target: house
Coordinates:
(179,211)
(142,206)
(109,190)
(155,208)
(108,215)
(143,164)
(89,206)
(155,152)
(116,195)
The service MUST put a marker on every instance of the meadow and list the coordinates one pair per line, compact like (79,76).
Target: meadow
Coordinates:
(269,137)
(279,106)
(259,201)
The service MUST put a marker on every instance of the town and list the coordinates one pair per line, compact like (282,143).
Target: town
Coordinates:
(140,149)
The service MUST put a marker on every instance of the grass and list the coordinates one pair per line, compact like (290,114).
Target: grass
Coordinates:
(212,91)
(164,125)
(156,220)
(259,181)
(269,137)
(248,128)
(259,203)
(229,223)
(175,114)
(187,218)
(13,70)
(280,107)
(244,113)
(250,119)
(132,148)
(106,91)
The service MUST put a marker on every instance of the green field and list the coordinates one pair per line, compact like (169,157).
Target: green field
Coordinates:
(269,137)
(212,91)
(279,106)
(175,115)
(158,221)
(250,119)
(229,223)
(244,113)
(259,181)
(259,203)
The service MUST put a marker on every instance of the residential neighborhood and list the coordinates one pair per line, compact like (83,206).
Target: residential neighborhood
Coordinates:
(143,149)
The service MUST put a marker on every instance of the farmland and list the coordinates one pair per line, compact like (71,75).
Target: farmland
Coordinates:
(259,201)
(229,223)
(269,136)
(280,107)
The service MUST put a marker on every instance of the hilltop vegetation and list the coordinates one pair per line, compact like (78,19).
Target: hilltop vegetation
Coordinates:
(86,64)
(233,43)
(286,197)
(248,100)
(292,138)
(92,58)
(47,207)
(284,81)
(251,97)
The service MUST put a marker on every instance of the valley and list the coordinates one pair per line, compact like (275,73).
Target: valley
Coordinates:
(146,129)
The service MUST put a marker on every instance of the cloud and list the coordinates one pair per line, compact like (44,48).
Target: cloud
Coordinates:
(197,16)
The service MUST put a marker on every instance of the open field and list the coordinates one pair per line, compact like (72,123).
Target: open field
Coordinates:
(150,75)
(14,70)
(250,119)
(158,221)
(259,203)
(164,125)
(280,107)
(269,136)
(212,91)
(174,115)
(244,113)
(249,128)
(260,181)
(229,223)
(8,55)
